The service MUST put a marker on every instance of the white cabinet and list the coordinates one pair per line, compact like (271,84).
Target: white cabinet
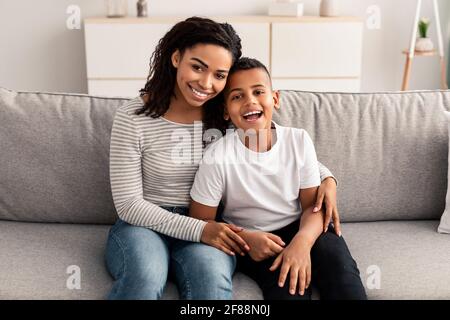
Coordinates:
(255,40)
(317,56)
(316,49)
(121,51)
(305,53)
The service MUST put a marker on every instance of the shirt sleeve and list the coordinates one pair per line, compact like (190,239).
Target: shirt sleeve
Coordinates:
(209,184)
(309,170)
(325,173)
(126,186)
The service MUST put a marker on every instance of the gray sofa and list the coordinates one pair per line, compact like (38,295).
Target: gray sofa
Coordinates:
(388,150)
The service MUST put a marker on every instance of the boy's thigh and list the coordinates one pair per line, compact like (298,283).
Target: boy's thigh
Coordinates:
(330,252)
(268,280)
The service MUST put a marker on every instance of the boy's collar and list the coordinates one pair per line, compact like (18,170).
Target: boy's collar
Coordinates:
(272,126)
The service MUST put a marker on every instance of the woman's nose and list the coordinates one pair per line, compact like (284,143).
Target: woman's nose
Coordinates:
(206,82)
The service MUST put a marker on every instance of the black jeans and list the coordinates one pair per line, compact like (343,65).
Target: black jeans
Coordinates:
(334,271)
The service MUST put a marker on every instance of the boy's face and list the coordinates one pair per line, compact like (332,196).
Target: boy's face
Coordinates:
(249,99)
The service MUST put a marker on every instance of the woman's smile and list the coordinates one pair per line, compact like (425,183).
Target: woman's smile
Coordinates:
(199,94)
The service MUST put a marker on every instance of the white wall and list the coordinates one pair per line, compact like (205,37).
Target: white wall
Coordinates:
(38,52)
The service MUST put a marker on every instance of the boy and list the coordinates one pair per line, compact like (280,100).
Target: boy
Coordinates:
(268,176)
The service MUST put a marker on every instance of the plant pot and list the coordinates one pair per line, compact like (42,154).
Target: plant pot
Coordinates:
(424,44)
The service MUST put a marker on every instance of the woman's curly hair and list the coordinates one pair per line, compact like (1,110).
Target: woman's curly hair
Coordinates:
(162,76)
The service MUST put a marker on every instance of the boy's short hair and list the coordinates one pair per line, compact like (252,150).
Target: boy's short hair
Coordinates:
(246,63)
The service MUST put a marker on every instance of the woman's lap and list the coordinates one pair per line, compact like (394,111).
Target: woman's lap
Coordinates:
(202,271)
(139,259)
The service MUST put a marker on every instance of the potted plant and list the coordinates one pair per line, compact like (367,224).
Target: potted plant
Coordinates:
(423,43)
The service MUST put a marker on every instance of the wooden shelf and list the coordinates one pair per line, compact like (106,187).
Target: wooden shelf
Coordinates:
(422,53)
(230,19)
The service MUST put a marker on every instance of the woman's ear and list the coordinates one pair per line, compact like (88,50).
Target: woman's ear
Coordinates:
(176,57)
(276,99)
(226,116)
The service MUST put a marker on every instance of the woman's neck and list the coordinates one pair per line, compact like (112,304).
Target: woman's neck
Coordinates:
(181,112)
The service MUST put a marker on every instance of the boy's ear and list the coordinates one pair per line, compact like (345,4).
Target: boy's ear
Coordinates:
(276,99)
(176,57)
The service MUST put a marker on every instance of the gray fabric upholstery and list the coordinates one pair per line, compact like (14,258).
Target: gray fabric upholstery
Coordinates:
(385,146)
(413,259)
(55,157)
(388,150)
(35,258)
(444,225)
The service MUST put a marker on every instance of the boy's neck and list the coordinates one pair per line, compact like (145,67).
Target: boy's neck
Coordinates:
(261,141)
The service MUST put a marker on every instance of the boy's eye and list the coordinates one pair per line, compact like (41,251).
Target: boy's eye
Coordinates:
(258,92)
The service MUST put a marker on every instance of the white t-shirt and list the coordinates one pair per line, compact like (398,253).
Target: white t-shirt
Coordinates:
(260,190)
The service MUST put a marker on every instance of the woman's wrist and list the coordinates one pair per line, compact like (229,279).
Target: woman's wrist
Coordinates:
(332,179)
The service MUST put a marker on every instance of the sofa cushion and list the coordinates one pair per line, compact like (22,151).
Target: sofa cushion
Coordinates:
(55,157)
(411,256)
(444,225)
(388,150)
(37,261)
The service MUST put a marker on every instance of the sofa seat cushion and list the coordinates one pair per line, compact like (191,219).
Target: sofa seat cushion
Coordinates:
(413,259)
(36,260)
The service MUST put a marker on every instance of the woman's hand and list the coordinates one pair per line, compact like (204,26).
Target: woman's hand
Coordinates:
(327,193)
(224,237)
(263,244)
(296,261)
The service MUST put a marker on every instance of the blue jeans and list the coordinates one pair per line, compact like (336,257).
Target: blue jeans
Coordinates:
(141,260)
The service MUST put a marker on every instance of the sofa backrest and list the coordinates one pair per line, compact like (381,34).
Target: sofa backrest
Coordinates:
(54,157)
(387,150)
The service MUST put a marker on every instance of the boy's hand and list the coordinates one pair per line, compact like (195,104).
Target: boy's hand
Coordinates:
(224,237)
(296,261)
(263,244)
(327,193)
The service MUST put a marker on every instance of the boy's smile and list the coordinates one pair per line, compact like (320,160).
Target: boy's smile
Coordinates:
(249,99)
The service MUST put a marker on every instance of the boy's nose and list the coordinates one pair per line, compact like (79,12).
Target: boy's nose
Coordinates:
(250,101)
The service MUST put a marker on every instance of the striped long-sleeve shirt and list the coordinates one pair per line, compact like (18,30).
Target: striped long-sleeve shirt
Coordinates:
(153,162)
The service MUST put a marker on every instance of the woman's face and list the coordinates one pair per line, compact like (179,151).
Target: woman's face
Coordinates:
(202,72)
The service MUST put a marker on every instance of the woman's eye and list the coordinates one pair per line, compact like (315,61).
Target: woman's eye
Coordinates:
(221,76)
(196,67)
(235,97)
